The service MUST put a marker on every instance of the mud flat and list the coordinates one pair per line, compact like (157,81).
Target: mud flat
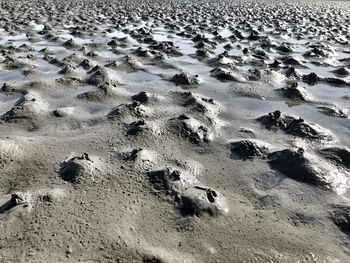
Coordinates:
(174,131)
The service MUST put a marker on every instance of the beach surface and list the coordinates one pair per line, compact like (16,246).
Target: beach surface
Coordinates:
(174,131)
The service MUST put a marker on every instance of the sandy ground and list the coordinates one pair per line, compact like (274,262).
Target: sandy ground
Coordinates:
(174,131)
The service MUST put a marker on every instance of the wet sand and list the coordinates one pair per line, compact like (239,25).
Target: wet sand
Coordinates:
(173,131)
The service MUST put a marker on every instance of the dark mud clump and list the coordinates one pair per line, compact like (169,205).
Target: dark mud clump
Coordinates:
(137,127)
(312,169)
(342,72)
(152,259)
(294,126)
(311,78)
(145,97)
(336,82)
(292,61)
(70,44)
(185,79)
(334,111)
(15,200)
(341,217)
(293,74)
(7,87)
(295,165)
(247,149)
(199,201)
(297,93)
(338,154)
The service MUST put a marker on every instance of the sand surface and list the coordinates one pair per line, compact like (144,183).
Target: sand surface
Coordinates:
(174,131)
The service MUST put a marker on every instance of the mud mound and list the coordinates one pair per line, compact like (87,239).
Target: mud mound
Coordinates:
(80,169)
(185,79)
(310,169)
(63,112)
(196,103)
(101,76)
(30,107)
(293,126)
(10,152)
(335,112)
(102,92)
(338,154)
(248,149)
(143,128)
(342,71)
(25,201)
(297,93)
(197,130)
(142,158)
(186,192)
(129,64)
(127,112)
(145,97)
(341,217)
(223,74)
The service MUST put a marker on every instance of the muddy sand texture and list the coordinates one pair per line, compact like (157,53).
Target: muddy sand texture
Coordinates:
(174,131)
